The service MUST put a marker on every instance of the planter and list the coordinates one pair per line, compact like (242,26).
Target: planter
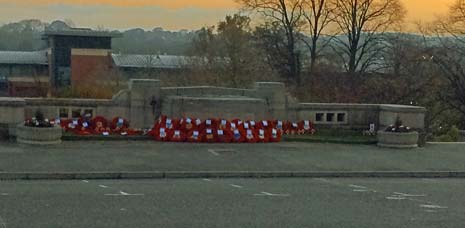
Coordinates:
(38,136)
(398,140)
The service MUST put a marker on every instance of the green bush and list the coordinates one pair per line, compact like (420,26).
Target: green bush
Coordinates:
(452,135)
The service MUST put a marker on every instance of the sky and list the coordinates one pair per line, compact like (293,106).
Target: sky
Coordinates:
(149,14)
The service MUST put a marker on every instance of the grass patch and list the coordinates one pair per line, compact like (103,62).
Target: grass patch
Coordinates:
(334,136)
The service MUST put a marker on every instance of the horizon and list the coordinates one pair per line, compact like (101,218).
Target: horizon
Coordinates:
(169,15)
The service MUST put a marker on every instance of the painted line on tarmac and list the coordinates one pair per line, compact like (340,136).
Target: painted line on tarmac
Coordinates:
(271,194)
(85,181)
(409,195)
(213,152)
(395,198)
(208,180)
(432,206)
(5,194)
(236,186)
(121,193)
(357,186)
(103,186)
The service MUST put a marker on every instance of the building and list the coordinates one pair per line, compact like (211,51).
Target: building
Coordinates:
(147,66)
(24,73)
(74,56)
(76,53)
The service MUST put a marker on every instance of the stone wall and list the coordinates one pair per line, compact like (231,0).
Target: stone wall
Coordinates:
(218,107)
(347,116)
(144,100)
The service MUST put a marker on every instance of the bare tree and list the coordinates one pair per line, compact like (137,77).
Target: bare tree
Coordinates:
(449,56)
(288,15)
(318,15)
(362,22)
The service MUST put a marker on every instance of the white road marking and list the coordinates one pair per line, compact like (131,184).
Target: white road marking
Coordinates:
(5,194)
(103,186)
(431,211)
(356,186)
(360,190)
(395,198)
(85,181)
(271,194)
(121,193)
(123,209)
(236,186)
(213,152)
(217,151)
(430,206)
(409,195)
(205,179)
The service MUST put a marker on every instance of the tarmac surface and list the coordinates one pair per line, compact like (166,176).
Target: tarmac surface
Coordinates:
(234,203)
(148,156)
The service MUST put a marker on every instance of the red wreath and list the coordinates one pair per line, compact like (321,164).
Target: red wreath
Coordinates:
(275,135)
(195,136)
(177,136)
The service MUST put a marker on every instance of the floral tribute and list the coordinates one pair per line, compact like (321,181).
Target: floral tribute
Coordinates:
(398,127)
(213,130)
(39,121)
(191,130)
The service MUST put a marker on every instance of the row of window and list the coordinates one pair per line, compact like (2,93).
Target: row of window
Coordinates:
(66,113)
(330,117)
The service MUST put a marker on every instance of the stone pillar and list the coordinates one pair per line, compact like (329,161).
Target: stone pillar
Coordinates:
(12,113)
(274,94)
(144,102)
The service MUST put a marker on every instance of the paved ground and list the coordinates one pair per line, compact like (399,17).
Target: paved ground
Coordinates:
(234,203)
(152,156)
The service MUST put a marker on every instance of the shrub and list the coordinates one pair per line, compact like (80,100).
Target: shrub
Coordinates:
(452,135)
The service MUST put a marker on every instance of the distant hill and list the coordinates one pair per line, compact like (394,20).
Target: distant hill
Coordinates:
(157,41)
(26,35)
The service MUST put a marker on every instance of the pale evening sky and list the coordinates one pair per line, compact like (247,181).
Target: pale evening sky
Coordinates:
(169,14)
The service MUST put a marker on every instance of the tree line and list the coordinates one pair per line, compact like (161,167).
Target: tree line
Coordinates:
(345,51)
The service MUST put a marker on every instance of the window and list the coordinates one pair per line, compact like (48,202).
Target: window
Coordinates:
(330,117)
(319,117)
(63,113)
(341,117)
(76,113)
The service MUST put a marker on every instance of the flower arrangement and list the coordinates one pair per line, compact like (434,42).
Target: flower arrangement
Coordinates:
(398,127)
(38,121)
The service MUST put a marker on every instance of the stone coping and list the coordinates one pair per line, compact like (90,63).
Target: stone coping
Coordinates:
(381,107)
(402,108)
(203,90)
(12,101)
(336,106)
(216,98)
(68,102)
(203,87)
